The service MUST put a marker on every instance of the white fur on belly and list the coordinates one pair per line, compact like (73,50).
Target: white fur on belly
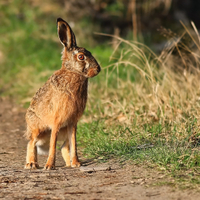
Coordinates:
(43,143)
(42,147)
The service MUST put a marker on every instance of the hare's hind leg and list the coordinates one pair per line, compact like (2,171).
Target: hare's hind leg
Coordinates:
(73,148)
(65,149)
(31,158)
(66,153)
(69,148)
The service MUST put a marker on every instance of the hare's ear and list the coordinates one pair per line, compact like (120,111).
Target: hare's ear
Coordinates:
(66,34)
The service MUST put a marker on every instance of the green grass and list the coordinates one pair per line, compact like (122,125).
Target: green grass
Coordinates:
(27,46)
(145,145)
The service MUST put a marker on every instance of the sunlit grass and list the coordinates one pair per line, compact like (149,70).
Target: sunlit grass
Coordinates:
(147,109)
(146,145)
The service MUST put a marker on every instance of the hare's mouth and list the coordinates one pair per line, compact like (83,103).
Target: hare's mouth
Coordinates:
(93,72)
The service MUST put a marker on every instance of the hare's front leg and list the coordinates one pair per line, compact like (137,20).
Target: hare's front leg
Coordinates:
(73,148)
(31,157)
(52,149)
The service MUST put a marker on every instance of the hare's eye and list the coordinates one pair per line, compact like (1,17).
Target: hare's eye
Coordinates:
(81,57)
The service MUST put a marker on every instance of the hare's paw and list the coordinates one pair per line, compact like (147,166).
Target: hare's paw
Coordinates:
(49,167)
(32,165)
(75,164)
(68,165)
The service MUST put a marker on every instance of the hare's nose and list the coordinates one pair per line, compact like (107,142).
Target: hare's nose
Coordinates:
(98,69)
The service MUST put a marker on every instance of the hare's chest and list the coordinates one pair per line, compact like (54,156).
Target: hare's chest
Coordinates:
(69,108)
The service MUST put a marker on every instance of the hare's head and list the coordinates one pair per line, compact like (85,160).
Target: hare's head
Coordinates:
(75,58)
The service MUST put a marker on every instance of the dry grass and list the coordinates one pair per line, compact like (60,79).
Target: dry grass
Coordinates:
(166,87)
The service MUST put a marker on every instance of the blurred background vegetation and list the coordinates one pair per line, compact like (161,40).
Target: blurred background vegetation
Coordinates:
(145,103)
(29,45)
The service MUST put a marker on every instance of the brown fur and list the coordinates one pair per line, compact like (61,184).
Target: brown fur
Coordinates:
(57,106)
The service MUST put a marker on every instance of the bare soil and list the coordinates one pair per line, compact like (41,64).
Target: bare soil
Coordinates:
(127,181)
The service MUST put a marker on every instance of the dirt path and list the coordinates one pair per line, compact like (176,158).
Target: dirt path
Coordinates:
(121,182)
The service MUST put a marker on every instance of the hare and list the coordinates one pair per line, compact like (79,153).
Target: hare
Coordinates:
(57,106)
